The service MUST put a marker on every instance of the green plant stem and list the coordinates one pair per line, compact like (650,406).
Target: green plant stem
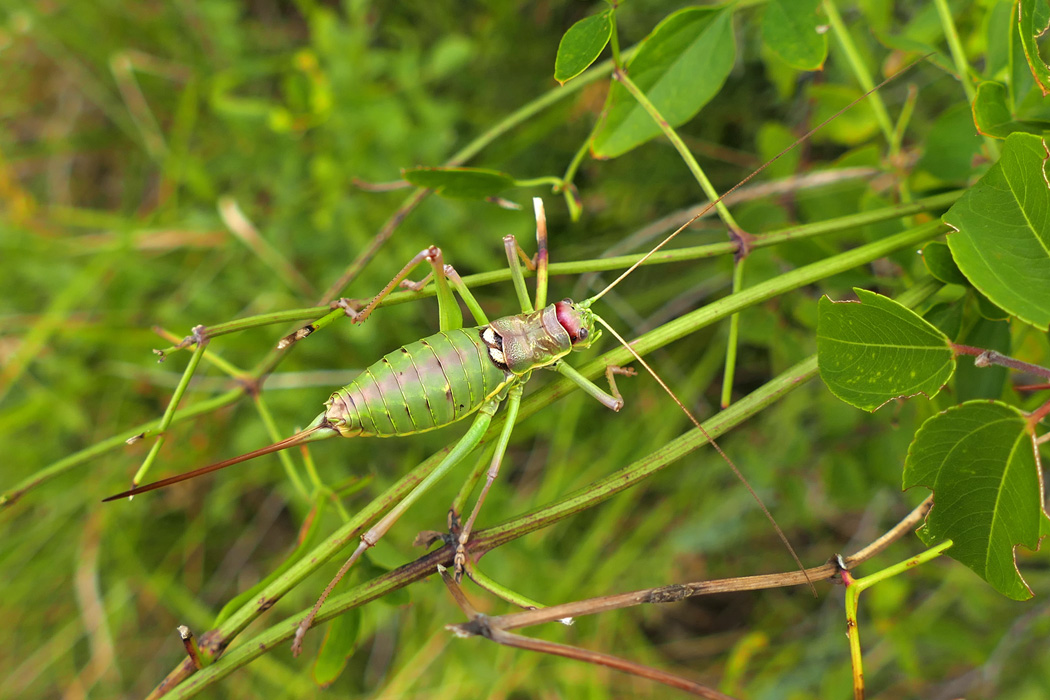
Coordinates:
(951,35)
(854,587)
(169,412)
(286,460)
(860,72)
(962,66)
(614,40)
(500,591)
(577,159)
(228,368)
(554,182)
(568,189)
(903,119)
(683,150)
(734,335)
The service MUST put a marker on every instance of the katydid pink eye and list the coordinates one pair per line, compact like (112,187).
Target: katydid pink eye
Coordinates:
(570,319)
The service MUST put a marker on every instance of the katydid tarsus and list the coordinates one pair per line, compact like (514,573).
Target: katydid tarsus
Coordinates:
(459,372)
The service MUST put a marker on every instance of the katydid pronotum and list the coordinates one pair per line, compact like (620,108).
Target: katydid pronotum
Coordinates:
(458,372)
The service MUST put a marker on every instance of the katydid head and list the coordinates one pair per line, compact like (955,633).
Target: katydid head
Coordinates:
(578,322)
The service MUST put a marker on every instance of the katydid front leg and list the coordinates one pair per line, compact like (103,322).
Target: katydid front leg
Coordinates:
(613,400)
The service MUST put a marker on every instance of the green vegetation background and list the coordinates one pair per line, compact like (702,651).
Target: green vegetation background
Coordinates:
(109,182)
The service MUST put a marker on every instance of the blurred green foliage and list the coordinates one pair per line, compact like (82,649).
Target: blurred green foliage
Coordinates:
(122,124)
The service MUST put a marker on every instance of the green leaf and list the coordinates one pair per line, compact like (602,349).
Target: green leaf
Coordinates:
(993,116)
(581,45)
(951,145)
(947,318)
(987,309)
(997,35)
(680,67)
(938,259)
(979,460)
(790,30)
(1002,238)
(990,111)
(460,183)
(1033,24)
(876,350)
(340,642)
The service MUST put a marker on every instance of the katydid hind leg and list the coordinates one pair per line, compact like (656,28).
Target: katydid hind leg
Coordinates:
(511,416)
(466,444)
(448,310)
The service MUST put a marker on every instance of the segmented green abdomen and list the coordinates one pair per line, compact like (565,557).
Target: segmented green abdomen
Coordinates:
(421,386)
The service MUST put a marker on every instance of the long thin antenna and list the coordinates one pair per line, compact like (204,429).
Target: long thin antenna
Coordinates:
(747,179)
(711,440)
